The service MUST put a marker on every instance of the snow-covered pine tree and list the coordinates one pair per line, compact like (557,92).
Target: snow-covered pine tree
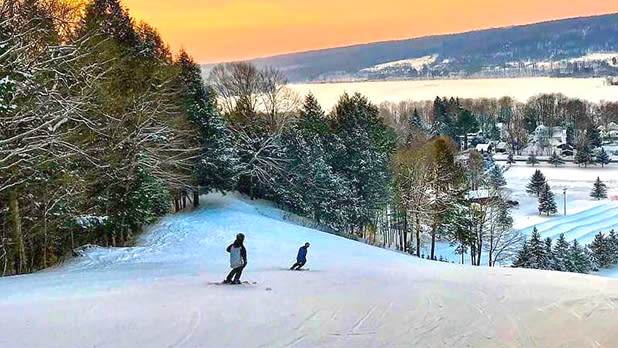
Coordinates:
(593,137)
(599,189)
(556,160)
(532,159)
(584,154)
(547,203)
(603,158)
(578,259)
(537,252)
(549,253)
(613,245)
(561,254)
(416,126)
(601,250)
(537,181)
(523,256)
(218,162)
(496,178)
(509,158)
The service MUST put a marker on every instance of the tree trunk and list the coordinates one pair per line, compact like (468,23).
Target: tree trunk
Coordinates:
(20,249)
(433,242)
(418,237)
(196,198)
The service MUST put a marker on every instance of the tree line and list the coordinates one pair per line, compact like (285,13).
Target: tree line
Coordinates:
(568,257)
(104,130)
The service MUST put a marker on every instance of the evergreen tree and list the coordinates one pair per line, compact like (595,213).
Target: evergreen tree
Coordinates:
(578,259)
(561,254)
(603,158)
(523,256)
(465,124)
(601,250)
(509,159)
(599,190)
(612,238)
(532,159)
(593,137)
(584,155)
(218,161)
(495,177)
(363,154)
(416,126)
(547,203)
(537,250)
(556,160)
(549,252)
(537,181)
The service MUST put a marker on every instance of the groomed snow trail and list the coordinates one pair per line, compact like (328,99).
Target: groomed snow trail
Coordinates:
(157,294)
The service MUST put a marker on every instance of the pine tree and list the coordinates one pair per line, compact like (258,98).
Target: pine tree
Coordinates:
(584,155)
(547,203)
(532,159)
(556,160)
(415,125)
(549,254)
(601,250)
(599,190)
(496,178)
(509,158)
(613,246)
(538,252)
(603,158)
(593,137)
(218,162)
(523,256)
(578,259)
(561,254)
(537,181)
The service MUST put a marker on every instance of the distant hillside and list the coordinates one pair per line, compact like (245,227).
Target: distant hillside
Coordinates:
(553,48)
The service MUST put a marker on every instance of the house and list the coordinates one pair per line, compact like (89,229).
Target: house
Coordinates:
(501,147)
(484,148)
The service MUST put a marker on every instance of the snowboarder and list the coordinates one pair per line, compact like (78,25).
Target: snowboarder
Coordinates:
(238,259)
(301,258)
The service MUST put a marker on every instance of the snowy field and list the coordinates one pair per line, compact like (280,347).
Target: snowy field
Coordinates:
(592,89)
(354,295)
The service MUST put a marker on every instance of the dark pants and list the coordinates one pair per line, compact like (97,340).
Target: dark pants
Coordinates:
(236,273)
(298,265)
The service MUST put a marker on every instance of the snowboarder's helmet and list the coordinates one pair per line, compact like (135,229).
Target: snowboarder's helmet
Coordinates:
(240,236)
(307,245)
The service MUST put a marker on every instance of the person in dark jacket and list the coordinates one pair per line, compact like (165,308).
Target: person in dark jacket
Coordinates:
(301,257)
(238,259)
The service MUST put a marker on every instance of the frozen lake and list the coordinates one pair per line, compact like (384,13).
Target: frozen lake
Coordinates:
(592,89)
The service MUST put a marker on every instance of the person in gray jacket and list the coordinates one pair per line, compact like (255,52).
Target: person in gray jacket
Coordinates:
(238,259)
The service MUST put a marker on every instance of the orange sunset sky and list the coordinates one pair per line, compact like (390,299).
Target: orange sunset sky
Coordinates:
(223,30)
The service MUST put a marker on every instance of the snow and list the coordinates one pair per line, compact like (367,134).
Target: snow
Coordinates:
(157,294)
(585,215)
(521,89)
(414,63)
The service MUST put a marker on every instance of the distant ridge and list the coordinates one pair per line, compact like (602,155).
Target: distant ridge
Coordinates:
(485,52)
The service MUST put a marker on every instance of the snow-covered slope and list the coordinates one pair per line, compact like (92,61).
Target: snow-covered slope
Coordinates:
(355,295)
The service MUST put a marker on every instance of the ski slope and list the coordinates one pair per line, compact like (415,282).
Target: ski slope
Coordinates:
(158,294)
(582,226)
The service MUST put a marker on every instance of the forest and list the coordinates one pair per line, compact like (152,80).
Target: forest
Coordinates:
(103,130)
